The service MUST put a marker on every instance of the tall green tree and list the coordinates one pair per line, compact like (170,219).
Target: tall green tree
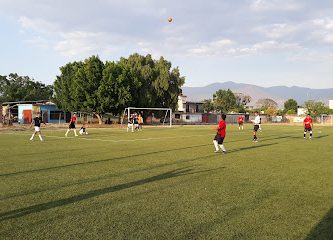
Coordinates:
(224,100)
(315,108)
(155,83)
(208,105)
(137,81)
(290,106)
(76,89)
(22,88)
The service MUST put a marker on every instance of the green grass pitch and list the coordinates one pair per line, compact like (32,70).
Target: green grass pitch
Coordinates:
(165,183)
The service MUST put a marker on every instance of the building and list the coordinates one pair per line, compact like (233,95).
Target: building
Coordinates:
(330,104)
(48,110)
(188,112)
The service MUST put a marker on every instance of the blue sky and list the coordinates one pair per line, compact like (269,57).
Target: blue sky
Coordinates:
(262,42)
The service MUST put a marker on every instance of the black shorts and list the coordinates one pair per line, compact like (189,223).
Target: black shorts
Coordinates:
(219,138)
(307,129)
(71,126)
(255,128)
(240,124)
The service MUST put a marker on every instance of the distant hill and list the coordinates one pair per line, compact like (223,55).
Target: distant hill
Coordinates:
(279,93)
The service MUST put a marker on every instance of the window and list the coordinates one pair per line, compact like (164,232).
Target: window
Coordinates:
(187,117)
(177,116)
(187,108)
(56,115)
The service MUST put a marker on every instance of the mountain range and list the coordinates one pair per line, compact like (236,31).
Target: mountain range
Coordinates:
(278,93)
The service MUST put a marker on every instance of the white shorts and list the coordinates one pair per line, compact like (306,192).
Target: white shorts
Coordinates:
(37,129)
(129,125)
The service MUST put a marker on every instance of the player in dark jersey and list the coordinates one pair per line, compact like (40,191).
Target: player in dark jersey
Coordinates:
(72,125)
(220,135)
(37,121)
(130,124)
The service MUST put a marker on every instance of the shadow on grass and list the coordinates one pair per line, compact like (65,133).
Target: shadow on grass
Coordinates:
(324,229)
(251,147)
(104,177)
(101,160)
(321,136)
(98,192)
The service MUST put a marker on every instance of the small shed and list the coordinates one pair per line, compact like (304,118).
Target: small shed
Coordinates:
(48,110)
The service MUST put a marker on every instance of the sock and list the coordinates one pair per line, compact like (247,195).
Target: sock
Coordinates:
(67,132)
(75,132)
(310,134)
(304,134)
(33,135)
(223,148)
(242,127)
(216,145)
(40,137)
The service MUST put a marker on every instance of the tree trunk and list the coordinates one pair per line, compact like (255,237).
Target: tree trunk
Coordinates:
(99,117)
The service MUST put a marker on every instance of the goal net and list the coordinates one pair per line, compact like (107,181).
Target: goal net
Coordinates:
(151,116)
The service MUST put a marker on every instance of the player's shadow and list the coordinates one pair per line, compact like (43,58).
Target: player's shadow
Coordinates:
(97,192)
(324,229)
(104,177)
(101,160)
(321,136)
(251,147)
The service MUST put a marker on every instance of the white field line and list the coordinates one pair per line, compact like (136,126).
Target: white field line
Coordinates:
(111,140)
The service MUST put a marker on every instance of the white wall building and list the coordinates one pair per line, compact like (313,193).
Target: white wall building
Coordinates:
(330,104)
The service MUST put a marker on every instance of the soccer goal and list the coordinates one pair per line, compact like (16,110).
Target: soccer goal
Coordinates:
(151,116)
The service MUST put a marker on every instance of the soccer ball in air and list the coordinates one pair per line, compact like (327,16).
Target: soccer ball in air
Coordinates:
(170,19)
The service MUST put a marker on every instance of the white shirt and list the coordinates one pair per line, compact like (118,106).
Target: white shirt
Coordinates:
(256,120)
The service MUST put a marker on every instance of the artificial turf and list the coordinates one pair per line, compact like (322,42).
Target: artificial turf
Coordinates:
(167,183)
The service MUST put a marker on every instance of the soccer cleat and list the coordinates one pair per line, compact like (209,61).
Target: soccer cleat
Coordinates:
(224,152)
(31,139)
(216,151)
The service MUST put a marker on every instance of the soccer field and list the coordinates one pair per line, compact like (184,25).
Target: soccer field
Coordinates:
(167,183)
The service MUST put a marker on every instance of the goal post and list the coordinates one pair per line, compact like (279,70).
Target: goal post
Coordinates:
(164,114)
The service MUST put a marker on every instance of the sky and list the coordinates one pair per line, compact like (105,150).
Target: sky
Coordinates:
(261,42)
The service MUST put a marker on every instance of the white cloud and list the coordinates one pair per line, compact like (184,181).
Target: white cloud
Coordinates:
(230,48)
(326,23)
(38,25)
(80,43)
(275,5)
(277,30)
(212,48)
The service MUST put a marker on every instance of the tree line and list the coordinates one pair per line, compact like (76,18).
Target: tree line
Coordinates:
(101,87)
(94,86)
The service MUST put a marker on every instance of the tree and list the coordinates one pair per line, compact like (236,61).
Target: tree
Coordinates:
(15,88)
(208,105)
(137,81)
(155,83)
(242,100)
(290,106)
(224,100)
(266,103)
(315,108)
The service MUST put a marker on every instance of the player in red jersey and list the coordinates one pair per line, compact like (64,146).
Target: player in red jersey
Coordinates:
(308,125)
(72,125)
(220,135)
(240,122)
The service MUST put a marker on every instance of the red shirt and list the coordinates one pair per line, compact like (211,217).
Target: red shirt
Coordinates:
(240,119)
(307,122)
(73,119)
(221,128)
